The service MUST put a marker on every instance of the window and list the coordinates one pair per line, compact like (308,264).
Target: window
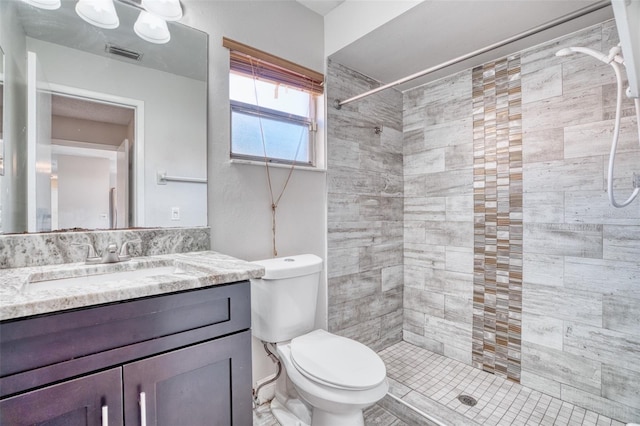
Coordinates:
(273,108)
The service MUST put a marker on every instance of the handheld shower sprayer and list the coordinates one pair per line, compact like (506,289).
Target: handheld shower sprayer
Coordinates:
(615,59)
(571,50)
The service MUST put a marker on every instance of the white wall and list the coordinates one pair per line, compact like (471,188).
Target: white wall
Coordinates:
(173,130)
(13,183)
(239,205)
(83,192)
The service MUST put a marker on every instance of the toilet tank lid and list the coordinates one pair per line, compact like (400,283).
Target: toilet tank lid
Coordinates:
(290,266)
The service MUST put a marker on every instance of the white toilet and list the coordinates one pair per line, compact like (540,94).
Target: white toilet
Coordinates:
(327,380)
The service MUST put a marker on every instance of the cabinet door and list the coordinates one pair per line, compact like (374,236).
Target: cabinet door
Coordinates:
(90,400)
(205,384)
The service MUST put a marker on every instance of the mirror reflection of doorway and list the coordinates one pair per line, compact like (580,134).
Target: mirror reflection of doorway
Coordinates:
(91,146)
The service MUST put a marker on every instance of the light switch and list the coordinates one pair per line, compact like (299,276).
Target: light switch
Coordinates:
(175,213)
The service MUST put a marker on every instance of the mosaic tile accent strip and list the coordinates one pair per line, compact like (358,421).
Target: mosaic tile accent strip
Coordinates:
(497,183)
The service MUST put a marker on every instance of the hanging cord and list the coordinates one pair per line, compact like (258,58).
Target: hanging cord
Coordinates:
(274,201)
(614,144)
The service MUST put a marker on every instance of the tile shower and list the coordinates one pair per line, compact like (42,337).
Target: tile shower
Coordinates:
(477,226)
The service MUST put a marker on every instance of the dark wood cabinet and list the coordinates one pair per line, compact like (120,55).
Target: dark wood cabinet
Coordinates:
(177,359)
(78,402)
(190,386)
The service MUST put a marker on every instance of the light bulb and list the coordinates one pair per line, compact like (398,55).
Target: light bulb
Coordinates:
(44,4)
(169,10)
(101,13)
(152,28)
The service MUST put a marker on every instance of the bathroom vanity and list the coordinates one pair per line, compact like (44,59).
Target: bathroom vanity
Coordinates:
(178,354)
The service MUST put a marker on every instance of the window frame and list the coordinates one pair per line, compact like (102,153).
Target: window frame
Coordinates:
(276,115)
(253,63)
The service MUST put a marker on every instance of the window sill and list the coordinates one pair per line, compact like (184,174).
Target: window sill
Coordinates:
(277,165)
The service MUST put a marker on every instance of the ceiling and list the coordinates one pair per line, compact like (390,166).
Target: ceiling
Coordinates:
(85,109)
(437,31)
(321,7)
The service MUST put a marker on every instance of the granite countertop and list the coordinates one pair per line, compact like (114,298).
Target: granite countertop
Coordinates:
(23,292)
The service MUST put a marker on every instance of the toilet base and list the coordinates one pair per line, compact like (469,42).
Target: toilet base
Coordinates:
(318,418)
(325,418)
(284,416)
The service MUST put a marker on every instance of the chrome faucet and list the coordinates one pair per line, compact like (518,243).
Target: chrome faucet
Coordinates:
(109,254)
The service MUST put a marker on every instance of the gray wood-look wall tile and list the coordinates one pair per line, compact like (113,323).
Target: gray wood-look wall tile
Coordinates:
(591,139)
(459,259)
(621,243)
(561,366)
(599,404)
(355,286)
(459,208)
(392,277)
(575,108)
(543,145)
(426,208)
(594,207)
(365,213)
(564,175)
(606,346)
(542,84)
(582,240)
(602,276)
(542,330)
(423,341)
(424,301)
(459,156)
(562,303)
(543,207)
(428,161)
(621,313)
(425,255)
(580,71)
(534,381)
(543,269)
(458,309)
(621,385)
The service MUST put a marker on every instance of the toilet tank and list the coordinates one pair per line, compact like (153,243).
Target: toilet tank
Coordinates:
(283,301)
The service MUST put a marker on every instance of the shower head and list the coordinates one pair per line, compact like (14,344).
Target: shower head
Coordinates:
(598,55)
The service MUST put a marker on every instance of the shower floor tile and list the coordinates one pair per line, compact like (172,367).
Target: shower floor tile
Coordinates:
(432,383)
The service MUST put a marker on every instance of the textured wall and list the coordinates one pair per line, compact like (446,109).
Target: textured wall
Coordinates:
(364,211)
(580,257)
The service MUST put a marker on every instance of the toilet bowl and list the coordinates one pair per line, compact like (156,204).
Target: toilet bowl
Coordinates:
(336,376)
(326,380)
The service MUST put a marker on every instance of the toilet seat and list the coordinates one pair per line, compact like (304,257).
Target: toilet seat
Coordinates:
(336,361)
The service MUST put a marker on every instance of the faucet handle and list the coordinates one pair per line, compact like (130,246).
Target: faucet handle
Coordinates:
(124,249)
(91,251)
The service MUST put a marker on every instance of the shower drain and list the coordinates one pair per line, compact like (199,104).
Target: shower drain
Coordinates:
(467,400)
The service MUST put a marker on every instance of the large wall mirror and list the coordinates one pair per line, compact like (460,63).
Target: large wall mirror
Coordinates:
(114,134)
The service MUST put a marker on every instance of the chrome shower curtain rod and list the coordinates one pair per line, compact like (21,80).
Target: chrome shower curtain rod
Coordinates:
(561,20)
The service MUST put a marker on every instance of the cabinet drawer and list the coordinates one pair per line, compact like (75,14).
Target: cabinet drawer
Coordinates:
(40,341)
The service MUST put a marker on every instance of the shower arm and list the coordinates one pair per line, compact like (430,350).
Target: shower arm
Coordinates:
(561,20)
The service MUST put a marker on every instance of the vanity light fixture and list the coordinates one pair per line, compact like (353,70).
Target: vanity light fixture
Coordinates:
(44,4)
(151,24)
(152,28)
(169,10)
(101,13)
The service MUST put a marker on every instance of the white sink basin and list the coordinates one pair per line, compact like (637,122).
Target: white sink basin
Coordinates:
(60,283)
